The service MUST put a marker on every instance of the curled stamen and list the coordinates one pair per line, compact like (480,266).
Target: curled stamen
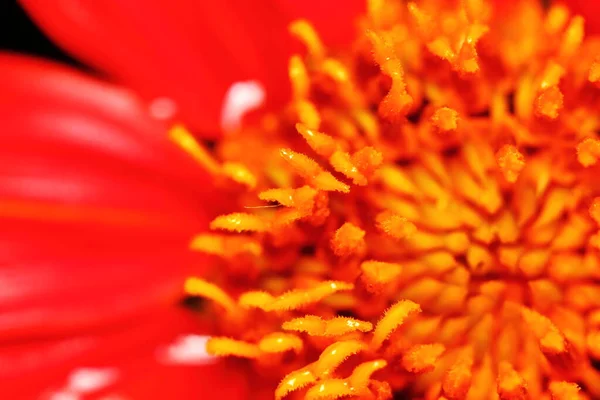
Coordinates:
(362,374)
(199,287)
(280,342)
(324,145)
(222,346)
(397,102)
(334,355)
(293,381)
(304,31)
(392,319)
(293,299)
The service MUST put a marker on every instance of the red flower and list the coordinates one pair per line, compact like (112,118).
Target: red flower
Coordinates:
(98,205)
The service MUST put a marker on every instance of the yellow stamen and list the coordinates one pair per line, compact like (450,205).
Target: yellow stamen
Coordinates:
(280,343)
(422,358)
(395,225)
(240,174)
(304,31)
(392,319)
(348,240)
(222,346)
(239,222)
(293,381)
(298,77)
(362,374)
(293,299)
(316,326)
(564,391)
(199,287)
(588,152)
(377,274)
(445,119)
(184,139)
(334,355)
(458,379)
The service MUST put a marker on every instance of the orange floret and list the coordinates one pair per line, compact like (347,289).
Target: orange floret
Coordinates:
(433,222)
(511,162)
(511,385)
(445,119)
(588,152)
(395,225)
(422,358)
(349,239)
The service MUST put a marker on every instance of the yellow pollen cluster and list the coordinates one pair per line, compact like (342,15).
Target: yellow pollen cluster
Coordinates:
(422,218)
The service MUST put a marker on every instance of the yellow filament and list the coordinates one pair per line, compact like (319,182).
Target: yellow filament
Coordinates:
(222,346)
(334,355)
(422,358)
(304,31)
(362,373)
(280,343)
(294,299)
(239,222)
(199,287)
(184,139)
(392,319)
(293,381)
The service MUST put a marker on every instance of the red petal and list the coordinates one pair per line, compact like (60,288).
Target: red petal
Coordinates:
(97,206)
(188,50)
(135,361)
(334,21)
(590,10)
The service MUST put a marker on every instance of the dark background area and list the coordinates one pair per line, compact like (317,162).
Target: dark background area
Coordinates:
(19,34)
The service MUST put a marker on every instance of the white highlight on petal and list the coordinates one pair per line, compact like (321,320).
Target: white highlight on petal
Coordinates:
(163,108)
(64,396)
(86,380)
(239,99)
(189,350)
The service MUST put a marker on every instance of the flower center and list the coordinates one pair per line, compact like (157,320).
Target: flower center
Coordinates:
(422,214)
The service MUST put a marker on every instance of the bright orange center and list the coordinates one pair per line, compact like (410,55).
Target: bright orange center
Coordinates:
(422,216)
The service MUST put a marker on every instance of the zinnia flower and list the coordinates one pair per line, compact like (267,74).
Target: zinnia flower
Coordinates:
(420,218)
